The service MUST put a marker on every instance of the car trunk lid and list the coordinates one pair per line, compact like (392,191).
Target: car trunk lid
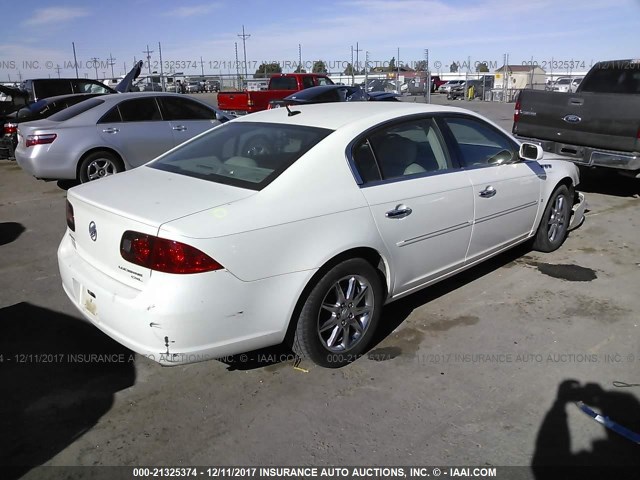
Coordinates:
(139,200)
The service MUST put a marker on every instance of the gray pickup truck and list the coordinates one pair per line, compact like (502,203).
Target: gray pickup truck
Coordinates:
(597,126)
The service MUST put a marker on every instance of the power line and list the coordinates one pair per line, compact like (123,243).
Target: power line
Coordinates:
(95,65)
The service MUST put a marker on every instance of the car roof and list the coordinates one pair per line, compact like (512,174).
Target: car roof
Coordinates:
(340,114)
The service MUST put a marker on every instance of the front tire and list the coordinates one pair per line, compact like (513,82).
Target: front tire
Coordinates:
(554,225)
(98,165)
(340,314)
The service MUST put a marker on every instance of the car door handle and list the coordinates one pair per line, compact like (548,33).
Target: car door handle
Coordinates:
(488,192)
(111,130)
(180,128)
(400,211)
(576,101)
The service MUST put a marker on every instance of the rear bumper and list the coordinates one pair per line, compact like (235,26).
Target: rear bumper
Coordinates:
(179,319)
(587,156)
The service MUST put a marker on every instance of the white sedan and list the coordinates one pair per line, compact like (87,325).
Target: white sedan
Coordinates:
(300,225)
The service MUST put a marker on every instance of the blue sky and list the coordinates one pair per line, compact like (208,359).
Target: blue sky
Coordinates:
(482,30)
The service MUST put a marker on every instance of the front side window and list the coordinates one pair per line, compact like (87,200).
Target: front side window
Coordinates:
(178,108)
(480,144)
(244,154)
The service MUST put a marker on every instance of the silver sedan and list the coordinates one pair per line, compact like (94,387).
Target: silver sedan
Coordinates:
(108,134)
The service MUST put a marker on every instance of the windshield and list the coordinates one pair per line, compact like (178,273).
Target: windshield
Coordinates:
(245,154)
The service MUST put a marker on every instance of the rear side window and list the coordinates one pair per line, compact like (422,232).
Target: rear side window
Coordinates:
(244,154)
(112,116)
(307,82)
(178,108)
(140,110)
(76,109)
(86,86)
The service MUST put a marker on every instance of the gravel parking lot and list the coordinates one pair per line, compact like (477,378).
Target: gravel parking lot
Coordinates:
(473,371)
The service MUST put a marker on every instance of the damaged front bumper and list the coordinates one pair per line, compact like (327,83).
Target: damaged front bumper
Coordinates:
(577,211)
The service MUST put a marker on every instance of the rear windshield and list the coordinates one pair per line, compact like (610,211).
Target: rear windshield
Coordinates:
(75,110)
(243,154)
(612,78)
(283,83)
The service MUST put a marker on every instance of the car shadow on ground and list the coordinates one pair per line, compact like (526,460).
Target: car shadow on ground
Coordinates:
(58,376)
(608,182)
(10,231)
(612,457)
(67,184)
(393,315)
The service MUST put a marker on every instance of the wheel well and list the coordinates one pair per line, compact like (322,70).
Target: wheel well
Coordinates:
(369,254)
(99,149)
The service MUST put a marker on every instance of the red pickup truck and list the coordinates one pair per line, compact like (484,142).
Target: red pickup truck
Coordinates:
(280,86)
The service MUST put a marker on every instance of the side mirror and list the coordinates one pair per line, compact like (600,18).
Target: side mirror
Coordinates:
(531,151)
(221,117)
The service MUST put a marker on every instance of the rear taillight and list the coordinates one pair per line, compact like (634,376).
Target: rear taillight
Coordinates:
(71,221)
(164,255)
(250,103)
(32,140)
(10,128)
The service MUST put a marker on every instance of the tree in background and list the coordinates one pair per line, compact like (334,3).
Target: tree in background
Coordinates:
(267,69)
(299,69)
(319,67)
(482,67)
(392,64)
(453,68)
(350,70)
(421,66)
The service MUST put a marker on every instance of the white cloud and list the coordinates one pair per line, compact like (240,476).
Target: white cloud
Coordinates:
(55,15)
(185,12)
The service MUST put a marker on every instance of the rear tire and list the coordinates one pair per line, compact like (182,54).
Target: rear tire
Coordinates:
(97,165)
(554,224)
(340,314)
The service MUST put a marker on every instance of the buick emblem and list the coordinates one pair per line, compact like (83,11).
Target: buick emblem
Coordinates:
(572,119)
(93,231)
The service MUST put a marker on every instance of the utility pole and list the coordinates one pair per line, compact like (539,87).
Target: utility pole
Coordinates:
(353,79)
(162,79)
(95,65)
(428,80)
(237,67)
(148,52)
(244,37)
(357,50)
(75,60)
(299,58)
(111,64)
(366,72)
(58,69)
(202,66)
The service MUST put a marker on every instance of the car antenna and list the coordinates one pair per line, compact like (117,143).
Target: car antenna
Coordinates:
(290,113)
